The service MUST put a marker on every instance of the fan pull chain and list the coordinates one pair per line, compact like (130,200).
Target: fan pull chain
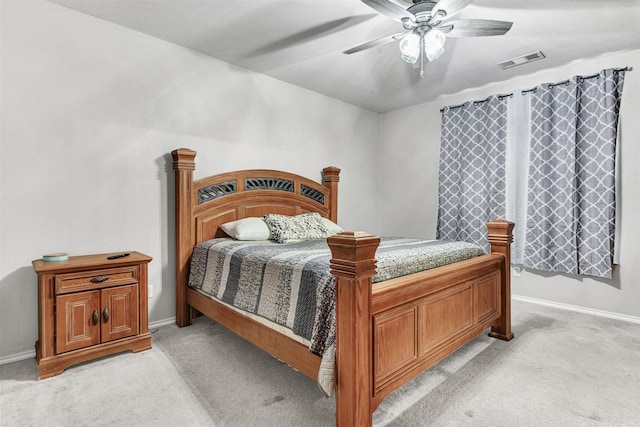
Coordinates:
(422,55)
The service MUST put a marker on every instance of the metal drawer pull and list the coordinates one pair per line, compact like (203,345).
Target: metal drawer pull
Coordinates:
(100,279)
(96,318)
(105,314)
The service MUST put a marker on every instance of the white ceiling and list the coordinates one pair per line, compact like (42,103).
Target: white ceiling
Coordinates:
(301,41)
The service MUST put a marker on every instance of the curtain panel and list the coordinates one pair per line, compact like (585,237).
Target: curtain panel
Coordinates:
(544,158)
(472,169)
(571,204)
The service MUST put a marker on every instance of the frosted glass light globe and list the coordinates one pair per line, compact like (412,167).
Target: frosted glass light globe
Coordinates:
(410,47)
(434,44)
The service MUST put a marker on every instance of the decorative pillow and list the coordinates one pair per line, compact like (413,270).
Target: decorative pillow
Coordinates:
(284,228)
(251,228)
(332,227)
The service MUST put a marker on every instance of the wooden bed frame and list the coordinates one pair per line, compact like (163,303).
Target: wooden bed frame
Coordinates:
(387,332)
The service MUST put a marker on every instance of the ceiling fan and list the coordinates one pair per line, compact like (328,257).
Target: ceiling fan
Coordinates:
(426,29)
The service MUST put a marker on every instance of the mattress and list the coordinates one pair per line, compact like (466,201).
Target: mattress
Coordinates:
(289,287)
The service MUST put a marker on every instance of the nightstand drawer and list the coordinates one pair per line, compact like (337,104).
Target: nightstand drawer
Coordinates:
(96,279)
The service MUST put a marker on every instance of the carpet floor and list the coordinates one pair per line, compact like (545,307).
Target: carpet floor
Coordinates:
(562,369)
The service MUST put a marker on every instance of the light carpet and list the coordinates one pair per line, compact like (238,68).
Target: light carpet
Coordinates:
(562,369)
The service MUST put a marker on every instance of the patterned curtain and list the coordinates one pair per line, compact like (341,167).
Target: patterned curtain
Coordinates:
(472,169)
(556,144)
(571,190)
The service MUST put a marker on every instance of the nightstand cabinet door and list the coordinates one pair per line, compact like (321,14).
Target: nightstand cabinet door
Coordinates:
(119,315)
(76,325)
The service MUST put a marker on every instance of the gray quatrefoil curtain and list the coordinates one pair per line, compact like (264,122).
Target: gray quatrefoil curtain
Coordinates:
(558,147)
(472,169)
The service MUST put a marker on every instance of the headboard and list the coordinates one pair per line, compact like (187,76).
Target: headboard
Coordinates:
(205,204)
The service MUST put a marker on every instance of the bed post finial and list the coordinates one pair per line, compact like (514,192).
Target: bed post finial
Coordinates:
(330,179)
(183,165)
(184,159)
(500,237)
(353,264)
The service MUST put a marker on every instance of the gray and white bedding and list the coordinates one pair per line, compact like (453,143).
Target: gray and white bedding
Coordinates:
(290,284)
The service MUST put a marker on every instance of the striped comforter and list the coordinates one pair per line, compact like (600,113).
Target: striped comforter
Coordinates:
(290,284)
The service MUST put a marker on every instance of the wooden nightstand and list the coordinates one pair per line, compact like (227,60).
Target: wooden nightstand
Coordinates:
(88,307)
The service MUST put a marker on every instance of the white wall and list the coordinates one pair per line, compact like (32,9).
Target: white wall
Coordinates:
(410,140)
(89,114)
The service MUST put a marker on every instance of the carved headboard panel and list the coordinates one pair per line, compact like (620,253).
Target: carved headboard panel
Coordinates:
(226,197)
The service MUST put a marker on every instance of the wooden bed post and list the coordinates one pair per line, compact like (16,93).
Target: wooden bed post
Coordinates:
(330,178)
(184,164)
(500,238)
(353,264)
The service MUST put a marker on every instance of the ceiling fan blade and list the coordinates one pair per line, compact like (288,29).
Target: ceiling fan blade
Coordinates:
(449,7)
(374,43)
(310,34)
(389,9)
(475,28)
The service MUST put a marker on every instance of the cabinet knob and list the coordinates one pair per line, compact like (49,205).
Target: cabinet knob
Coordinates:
(100,279)
(105,314)
(95,316)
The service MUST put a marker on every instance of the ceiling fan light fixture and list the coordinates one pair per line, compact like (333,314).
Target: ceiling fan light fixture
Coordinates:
(410,46)
(434,44)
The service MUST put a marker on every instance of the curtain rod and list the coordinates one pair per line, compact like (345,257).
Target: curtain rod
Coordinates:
(580,78)
(500,97)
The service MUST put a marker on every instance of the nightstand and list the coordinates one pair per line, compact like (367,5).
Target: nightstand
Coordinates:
(88,307)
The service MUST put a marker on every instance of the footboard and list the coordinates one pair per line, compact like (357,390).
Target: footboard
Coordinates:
(416,323)
(389,332)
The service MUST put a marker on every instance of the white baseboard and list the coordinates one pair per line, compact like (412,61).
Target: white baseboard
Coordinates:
(160,323)
(17,357)
(172,320)
(32,353)
(592,311)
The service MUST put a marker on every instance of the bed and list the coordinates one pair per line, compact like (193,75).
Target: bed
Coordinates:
(387,332)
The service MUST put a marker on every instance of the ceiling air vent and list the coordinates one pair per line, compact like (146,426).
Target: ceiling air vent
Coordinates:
(529,57)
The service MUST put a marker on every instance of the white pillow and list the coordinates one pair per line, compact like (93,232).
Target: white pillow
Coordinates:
(332,227)
(251,228)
